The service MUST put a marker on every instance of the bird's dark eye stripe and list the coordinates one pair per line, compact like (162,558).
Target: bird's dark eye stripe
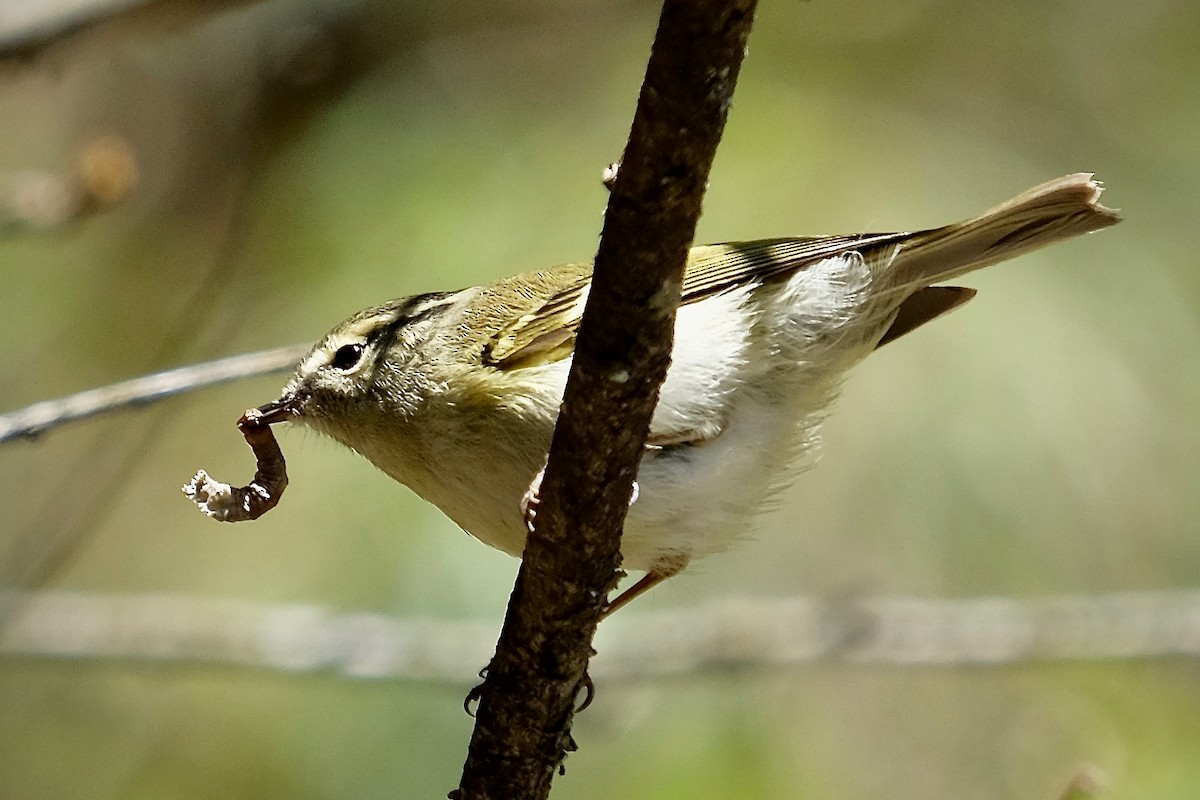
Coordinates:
(416,310)
(423,306)
(405,313)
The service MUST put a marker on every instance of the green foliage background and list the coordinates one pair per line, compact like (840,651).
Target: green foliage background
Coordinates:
(1044,440)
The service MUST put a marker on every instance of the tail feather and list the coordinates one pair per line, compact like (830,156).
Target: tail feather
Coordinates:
(1056,210)
(924,305)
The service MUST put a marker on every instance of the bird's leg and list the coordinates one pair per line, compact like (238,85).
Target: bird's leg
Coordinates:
(529,506)
(644,584)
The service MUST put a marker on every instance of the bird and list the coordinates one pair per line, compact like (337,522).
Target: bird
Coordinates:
(456,394)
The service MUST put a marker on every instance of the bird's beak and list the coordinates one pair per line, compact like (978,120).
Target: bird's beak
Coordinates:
(281,410)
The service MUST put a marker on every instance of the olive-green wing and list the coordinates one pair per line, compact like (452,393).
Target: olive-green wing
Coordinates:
(547,333)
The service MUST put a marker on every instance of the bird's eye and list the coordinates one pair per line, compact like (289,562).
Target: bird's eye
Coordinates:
(347,356)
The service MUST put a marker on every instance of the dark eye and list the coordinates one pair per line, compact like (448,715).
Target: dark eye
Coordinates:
(347,356)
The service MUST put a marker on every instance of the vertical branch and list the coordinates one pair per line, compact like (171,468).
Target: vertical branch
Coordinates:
(572,560)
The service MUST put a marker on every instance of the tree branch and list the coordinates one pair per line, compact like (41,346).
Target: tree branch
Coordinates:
(571,561)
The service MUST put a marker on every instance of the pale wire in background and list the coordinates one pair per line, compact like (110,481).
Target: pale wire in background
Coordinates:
(758,633)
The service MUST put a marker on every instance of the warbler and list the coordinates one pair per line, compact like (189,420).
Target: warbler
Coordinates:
(455,394)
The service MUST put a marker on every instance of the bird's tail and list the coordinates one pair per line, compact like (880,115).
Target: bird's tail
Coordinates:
(1056,210)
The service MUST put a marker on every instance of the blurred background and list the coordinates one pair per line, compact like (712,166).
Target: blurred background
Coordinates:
(185,180)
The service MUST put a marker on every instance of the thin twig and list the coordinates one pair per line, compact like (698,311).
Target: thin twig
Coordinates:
(31,421)
(571,560)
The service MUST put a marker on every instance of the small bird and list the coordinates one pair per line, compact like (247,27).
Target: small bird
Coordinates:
(455,394)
